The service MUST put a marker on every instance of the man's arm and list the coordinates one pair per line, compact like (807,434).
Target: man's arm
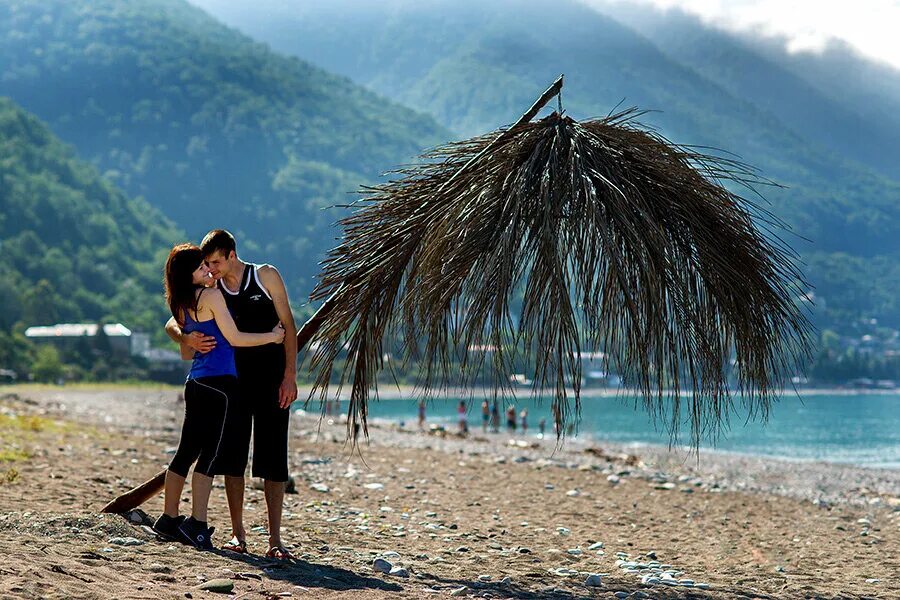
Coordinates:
(190,343)
(272,281)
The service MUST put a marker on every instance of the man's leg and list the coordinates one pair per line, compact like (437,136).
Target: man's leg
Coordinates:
(274,508)
(270,455)
(234,491)
(232,461)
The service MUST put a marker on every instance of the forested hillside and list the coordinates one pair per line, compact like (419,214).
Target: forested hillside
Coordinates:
(209,126)
(74,248)
(477,65)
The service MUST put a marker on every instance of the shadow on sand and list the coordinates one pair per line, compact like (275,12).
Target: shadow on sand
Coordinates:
(306,574)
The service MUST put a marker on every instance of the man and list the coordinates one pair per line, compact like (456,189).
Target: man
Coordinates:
(257,299)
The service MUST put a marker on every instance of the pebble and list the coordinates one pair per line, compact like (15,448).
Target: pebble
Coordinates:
(382,566)
(563,530)
(506,581)
(484,578)
(126,541)
(593,580)
(573,493)
(459,591)
(374,486)
(398,572)
(320,487)
(613,479)
(575,551)
(221,586)
(158,568)
(873,580)
(664,486)
(595,546)
(651,554)
(621,594)
(389,555)
(462,549)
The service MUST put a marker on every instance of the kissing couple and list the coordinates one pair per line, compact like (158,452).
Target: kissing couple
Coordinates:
(233,320)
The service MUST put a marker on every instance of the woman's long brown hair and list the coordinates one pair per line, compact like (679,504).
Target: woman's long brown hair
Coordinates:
(179,280)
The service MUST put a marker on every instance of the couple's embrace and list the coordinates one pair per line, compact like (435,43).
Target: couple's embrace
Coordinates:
(233,320)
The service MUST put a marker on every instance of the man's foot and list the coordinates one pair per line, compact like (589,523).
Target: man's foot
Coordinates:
(279,552)
(196,533)
(236,545)
(166,527)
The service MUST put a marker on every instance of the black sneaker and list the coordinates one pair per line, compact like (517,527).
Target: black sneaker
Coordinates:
(166,527)
(196,533)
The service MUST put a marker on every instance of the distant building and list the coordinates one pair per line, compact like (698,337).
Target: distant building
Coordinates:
(68,334)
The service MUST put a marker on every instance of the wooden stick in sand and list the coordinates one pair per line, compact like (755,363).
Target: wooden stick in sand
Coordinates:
(134,497)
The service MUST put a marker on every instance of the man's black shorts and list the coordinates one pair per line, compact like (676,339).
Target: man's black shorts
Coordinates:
(256,407)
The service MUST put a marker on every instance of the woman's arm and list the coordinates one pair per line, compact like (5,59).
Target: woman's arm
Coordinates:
(214,301)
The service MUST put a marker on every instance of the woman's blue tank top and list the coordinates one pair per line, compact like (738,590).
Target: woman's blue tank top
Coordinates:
(219,360)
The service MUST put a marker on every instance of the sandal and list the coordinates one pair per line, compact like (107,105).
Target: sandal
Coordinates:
(235,545)
(280,553)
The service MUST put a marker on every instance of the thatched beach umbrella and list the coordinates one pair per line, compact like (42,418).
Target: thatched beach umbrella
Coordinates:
(617,240)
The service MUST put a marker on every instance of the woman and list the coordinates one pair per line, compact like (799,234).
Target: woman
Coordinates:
(210,383)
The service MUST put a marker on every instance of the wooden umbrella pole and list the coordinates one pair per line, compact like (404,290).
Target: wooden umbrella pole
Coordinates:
(549,93)
(140,494)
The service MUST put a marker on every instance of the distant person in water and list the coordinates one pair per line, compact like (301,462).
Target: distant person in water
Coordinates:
(211,385)
(461,415)
(523,418)
(511,419)
(542,425)
(485,416)
(495,416)
(422,414)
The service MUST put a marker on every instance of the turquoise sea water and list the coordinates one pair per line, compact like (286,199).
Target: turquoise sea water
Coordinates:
(856,429)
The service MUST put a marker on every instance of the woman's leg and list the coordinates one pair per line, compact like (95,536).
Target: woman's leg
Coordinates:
(174,487)
(189,447)
(201,486)
(216,392)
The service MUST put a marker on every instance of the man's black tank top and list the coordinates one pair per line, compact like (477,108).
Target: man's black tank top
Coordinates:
(253,311)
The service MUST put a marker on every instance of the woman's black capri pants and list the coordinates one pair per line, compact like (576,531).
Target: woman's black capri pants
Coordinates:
(205,404)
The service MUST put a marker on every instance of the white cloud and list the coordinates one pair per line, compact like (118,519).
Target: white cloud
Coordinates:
(869,26)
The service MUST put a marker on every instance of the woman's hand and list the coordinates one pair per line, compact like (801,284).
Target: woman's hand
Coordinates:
(278,333)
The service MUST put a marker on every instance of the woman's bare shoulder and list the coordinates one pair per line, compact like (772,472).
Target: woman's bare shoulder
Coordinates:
(209,297)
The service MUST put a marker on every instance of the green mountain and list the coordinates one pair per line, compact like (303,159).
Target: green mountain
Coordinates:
(75,249)
(207,125)
(478,65)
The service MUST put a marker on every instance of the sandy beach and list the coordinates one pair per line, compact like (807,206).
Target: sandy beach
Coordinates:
(489,516)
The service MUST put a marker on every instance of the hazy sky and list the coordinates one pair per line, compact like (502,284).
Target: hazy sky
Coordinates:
(872,27)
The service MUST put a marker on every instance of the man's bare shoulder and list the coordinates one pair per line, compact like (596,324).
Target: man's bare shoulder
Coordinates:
(268,273)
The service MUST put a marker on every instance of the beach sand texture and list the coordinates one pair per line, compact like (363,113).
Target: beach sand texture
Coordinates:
(453,513)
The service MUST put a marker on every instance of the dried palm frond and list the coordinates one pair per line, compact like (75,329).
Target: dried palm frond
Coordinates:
(618,241)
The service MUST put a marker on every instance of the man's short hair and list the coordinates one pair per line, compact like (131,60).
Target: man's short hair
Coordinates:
(218,240)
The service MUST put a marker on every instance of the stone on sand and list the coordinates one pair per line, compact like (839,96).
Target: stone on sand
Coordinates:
(221,586)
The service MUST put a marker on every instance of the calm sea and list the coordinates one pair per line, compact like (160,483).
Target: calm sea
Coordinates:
(856,429)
